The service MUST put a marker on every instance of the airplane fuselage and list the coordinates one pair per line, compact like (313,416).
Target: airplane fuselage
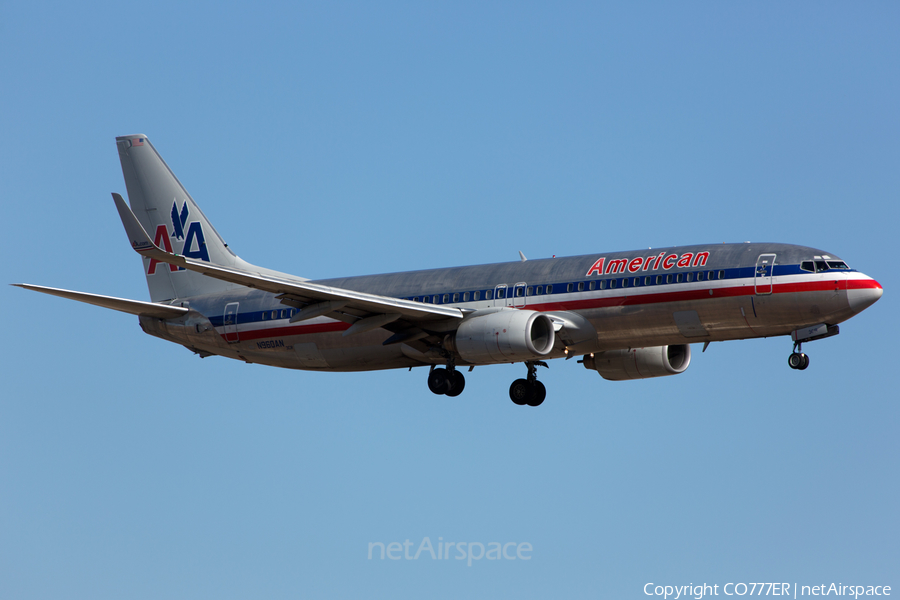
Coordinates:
(654,297)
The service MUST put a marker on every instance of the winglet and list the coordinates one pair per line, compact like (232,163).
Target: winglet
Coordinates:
(137,236)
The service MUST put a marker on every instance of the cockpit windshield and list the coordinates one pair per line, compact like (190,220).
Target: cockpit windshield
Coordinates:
(818,265)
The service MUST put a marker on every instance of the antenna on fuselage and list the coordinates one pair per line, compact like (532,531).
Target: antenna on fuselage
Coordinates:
(522,256)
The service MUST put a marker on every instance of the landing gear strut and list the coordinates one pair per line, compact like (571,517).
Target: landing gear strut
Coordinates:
(798,360)
(528,391)
(448,382)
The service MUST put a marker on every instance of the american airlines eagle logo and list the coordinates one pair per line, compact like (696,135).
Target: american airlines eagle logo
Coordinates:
(194,245)
(179,220)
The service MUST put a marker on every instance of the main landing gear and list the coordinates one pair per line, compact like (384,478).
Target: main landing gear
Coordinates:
(447,382)
(798,360)
(528,391)
(450,382)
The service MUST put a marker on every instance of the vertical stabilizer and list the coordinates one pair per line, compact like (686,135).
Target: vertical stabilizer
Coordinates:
(174,221)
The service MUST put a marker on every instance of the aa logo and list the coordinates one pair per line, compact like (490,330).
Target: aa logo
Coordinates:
(194,245)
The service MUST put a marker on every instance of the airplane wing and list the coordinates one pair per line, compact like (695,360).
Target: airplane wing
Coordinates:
(134,307)
(364,311)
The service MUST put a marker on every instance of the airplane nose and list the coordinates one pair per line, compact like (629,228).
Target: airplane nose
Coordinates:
(861,299)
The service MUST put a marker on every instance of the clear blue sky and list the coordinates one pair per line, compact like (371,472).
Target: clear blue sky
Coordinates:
(358,138)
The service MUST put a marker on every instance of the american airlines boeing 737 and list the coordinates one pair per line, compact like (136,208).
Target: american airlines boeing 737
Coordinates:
(625,315)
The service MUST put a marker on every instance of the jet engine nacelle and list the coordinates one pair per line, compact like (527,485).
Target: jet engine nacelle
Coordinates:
(507,335)
(640,363)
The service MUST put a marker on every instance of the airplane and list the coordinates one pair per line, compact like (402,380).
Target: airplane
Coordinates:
(626,315)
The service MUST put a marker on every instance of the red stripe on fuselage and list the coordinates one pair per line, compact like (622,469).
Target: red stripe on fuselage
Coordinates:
(702,294)
(256,334)
(637,299)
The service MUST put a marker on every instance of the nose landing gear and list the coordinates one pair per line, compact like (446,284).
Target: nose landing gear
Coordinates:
(798,360)
(528,391)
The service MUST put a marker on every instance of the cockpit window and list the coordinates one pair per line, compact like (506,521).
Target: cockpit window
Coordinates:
(818,266)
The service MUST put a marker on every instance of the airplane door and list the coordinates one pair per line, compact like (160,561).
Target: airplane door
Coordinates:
(763,280)
(500,295)
(517,298)
(230,323)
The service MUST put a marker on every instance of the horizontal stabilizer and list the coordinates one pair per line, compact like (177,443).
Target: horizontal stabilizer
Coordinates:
(134,307)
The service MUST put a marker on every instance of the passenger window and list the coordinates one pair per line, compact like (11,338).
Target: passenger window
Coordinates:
(445,299)
(465,296)
(646,281)
(519,291)
(283,313)
(456,297)
(603,285)
(539,290)
(274,314)
(568,287)
(721,274)
(625,283)
(612,284)
(668,279)
(700,276)
(591,285)
(658,279)
(808,265)
(501,293)
(476,296)
(689,277)
(265,315)
(637,281)
(489,295)
(549,289)
(528,291)
(678,278)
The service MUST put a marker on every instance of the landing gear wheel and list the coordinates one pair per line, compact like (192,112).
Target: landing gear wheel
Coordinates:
(439,381)
(538,393)
(520,392)
(457,383)
(804,363)
(795,360)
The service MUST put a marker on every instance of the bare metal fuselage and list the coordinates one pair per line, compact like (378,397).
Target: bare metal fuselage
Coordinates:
(730,296)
